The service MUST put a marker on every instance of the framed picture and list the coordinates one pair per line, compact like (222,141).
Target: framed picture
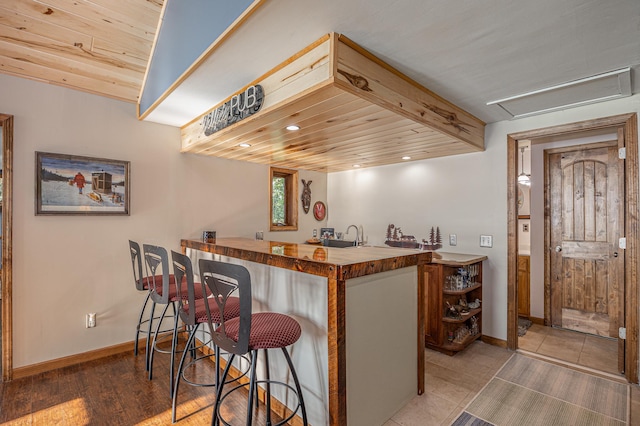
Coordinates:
(70,185)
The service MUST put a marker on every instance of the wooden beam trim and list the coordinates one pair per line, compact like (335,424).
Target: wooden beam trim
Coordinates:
(337,356)
(6,121)
(629,122)
(453,123)
(404,96)
(512,241)
(632,255)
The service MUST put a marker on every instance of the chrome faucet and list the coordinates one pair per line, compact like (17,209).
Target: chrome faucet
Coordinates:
(356,242)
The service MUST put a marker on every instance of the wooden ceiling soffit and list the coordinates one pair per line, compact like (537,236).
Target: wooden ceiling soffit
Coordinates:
(352,108)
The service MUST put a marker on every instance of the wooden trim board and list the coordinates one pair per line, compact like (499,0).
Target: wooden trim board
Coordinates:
(351,107)
(6,122)
(628,125)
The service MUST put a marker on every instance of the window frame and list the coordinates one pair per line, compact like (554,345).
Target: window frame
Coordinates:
(291,199)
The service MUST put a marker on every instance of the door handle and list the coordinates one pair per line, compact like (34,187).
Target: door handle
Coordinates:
(558,249)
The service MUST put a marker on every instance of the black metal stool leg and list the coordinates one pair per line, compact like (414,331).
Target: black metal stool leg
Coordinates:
(267,386)
(298,388)
(179,375)
(215,419)
(147,355)
(144,306)
(174,344)
(252,386)
(155,338)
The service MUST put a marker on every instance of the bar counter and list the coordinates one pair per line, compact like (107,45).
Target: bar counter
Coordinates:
(373,330)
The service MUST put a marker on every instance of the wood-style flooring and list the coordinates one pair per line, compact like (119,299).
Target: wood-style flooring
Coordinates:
(114,391)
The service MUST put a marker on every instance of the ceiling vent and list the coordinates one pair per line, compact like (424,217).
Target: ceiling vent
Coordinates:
(597,88)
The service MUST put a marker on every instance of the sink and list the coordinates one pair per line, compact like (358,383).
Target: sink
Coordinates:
(327,242)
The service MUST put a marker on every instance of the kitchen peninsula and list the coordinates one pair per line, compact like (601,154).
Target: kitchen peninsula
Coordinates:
(361,355)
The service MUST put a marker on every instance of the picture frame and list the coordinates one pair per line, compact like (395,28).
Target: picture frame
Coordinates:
(329,232)
(77,185)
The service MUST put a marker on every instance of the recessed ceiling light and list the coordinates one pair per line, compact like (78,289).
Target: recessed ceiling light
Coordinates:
(356,165)
(293,127)
(244,145)
(406,157)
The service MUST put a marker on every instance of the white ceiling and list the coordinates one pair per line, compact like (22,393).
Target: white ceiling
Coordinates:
(469,52)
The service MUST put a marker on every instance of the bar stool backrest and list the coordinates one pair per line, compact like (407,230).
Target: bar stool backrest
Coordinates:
(157,261)
(182,269)
(136,262)
(225,279)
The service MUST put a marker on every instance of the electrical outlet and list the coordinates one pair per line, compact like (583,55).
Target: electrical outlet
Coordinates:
(525,227)
(315,233)
(486,241)
(90,320)
(453,239)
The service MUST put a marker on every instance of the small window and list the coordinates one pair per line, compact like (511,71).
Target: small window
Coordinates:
(284,207)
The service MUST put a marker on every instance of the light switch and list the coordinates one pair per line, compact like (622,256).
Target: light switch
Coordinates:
(453,239)
(486,241)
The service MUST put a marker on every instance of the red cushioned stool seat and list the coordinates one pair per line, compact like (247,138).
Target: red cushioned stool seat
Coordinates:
(144,283)
(248,334)
(195,310)
(269,330)
(166,291)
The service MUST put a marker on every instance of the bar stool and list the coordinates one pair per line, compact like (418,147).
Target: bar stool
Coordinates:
(164,292)
(248,333)
(193,313)
(143,283)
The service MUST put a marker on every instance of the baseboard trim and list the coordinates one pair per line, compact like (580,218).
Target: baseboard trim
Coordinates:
(494,341)
(54,364)
(539,321)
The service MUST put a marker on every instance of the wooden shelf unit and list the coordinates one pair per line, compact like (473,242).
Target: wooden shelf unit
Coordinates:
(438,326)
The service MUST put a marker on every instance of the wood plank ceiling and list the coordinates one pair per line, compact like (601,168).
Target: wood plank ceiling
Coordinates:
(97,46)
(103,47)
(352,110)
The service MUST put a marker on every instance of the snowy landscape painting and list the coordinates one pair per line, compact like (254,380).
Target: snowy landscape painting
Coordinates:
(70,184)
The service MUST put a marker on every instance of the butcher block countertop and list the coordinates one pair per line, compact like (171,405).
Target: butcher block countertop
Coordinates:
(457,259)
(339,263)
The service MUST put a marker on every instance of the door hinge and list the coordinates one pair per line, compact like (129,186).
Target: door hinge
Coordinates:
(622,243)
(622,153)
(622,333)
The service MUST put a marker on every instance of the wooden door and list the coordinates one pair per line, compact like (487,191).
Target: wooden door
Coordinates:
(586,221)
(524,292)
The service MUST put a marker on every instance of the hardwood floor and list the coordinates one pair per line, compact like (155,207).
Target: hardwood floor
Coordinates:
(113,391)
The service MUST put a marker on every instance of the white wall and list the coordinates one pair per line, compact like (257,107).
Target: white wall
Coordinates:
(67,266)
(464,195)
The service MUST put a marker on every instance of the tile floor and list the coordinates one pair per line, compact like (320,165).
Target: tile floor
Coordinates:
(582,349)
(452,382)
